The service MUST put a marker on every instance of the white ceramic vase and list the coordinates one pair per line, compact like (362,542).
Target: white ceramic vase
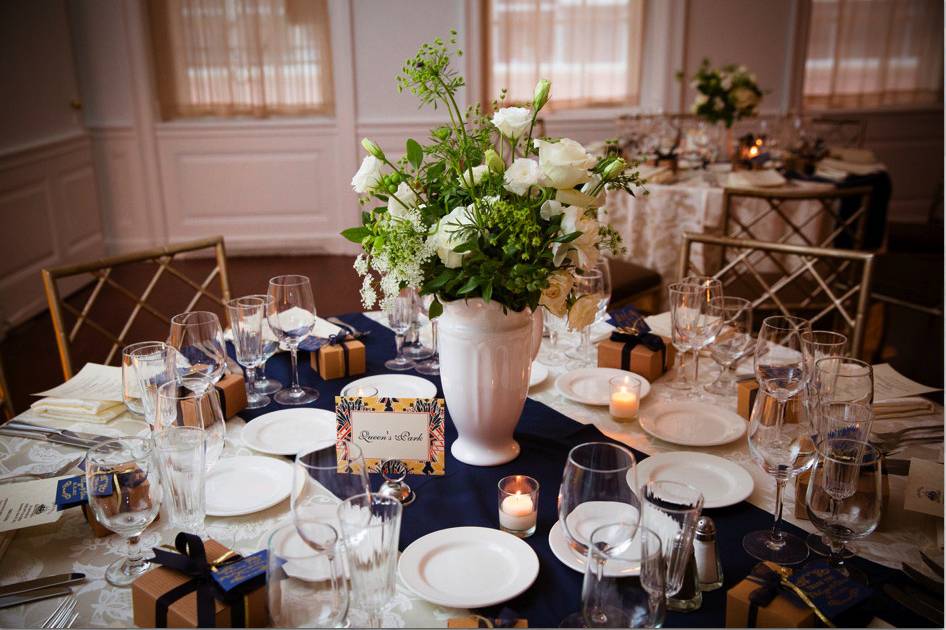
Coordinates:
(485,361)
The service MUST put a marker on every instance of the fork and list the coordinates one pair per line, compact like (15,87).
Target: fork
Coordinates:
(895,434)
(45,475)
(65,615)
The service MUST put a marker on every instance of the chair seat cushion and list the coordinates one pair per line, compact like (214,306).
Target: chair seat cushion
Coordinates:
(629,279)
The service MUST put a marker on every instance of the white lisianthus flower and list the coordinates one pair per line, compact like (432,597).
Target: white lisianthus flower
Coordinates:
(521,176)
(700,99)
(479,172)
(404,197)
(551,208)
(583,312)
(564,163)
(744,98)
(555,295)
(512,122)
(726,82)
(573,197)
(368,175)
(585,247)
(445,238)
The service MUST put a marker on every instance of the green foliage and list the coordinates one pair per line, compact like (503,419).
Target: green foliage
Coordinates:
(727,94)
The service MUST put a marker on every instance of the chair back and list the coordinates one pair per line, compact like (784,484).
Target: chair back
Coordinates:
(112,275)
(830,287)
(6,404)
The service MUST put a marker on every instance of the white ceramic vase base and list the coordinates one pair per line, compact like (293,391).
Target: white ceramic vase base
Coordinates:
(474,454)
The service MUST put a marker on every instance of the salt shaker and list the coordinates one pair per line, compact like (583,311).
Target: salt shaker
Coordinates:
(709,566)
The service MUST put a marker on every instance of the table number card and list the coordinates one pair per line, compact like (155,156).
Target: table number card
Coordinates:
(407,429)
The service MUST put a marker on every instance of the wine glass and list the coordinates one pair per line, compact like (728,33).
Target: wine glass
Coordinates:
(551,352)
(400,318)
(413,349)
(318,485)
(624,580)
(844,494)
(733,342)
(124,490)
(430,367)
(155,364)
(246,316)
(841,379)
(264,384)
(682,295)
(701,326)
(671,510)
(291,316)
(198,338)
(599,485)
(590,283)
(818,344)
(193,402)
(305,580)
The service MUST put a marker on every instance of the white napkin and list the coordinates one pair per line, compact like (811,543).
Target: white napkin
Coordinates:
(75,409)
(856,168)
(851,154)
(755,179)
(909,407)
(660,324)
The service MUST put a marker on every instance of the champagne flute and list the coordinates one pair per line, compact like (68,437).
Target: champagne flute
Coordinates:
(264,384)
(400,318)
(291,316)
(125,493)
(703,326)
(198,338)
(733,342)
(246,316)
(590,283)
(193,402)
(682,296)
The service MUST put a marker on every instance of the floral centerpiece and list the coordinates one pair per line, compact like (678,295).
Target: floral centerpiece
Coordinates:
(726,94)
(493,223)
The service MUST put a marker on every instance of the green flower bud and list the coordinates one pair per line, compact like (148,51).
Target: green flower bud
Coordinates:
(541,96)
(494,162)
(372,148)
(613,169)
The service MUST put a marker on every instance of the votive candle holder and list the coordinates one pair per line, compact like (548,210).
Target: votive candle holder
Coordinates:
(518,505)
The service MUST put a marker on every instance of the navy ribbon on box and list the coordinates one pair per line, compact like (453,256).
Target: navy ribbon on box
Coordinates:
(191,560)
(631,341)
(771,585)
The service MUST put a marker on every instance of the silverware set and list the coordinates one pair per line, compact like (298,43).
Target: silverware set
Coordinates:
(65,615)
(891,441)
(18,428)
(58,472)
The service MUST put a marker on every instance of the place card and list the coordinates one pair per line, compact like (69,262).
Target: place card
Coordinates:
(28,503)
(410,430)
(924,491)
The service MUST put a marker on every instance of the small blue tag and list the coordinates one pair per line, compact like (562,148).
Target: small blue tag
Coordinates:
(70,492)
(630,320)
(829,589)
(232,575)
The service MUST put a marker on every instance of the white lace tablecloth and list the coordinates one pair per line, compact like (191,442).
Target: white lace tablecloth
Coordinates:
(69,546)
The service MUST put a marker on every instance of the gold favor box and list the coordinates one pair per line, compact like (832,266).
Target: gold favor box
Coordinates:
(780,613)
(329,361)
(644,361)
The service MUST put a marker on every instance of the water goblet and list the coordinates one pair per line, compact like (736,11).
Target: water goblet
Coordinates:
(701,326)
(155,364)
(551,352)
(682,296)
(431,367)
(131,389)
(319,486)
(182,453)
(413,348)
(246,316)
(264,384)
(604,267)
(842,379)
(400,318)
(291,316)
(588,285)
(733,342)
(193,402)
(198,338)
(125,492)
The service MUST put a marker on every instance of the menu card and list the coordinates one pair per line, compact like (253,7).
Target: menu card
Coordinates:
(890,384)
(28,503)
(93,382)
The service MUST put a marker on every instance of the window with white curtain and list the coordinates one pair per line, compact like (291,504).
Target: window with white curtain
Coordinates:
(874,53)
(589,49)
(255,58)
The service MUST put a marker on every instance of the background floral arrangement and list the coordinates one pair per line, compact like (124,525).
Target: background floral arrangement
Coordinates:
(484,210)
(728,94)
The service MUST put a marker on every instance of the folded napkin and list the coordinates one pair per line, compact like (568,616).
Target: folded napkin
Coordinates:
(851,154)
(902,408)
(76,409)
(755,179)
(857,168)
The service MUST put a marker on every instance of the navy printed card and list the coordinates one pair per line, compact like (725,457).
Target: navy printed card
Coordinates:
(830,590)
(233,574)
(629,320)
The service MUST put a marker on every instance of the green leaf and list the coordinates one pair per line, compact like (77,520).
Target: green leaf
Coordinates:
(415,154)
(567,238)
(356,234)
(465,247)
(470,285)
(445,277)
(487,292)
(436,309)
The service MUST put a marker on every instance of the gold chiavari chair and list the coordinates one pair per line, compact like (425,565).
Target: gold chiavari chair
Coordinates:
(830,287)
(104,273)
(6,404)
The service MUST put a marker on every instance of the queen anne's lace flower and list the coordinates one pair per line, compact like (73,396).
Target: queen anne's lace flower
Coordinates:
(368,295)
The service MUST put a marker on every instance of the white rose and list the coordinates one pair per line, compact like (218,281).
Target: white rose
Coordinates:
(573,197)
(407,198)
(522,175)
(744,98)
(446,236)
(551,208)
(512,122)
(585,247)
(478,173)
(726,82)
(368,175)
(583,312)
(555,295)
(564,163)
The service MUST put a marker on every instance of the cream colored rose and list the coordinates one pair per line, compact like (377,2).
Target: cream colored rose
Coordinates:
(744,98)
(522,175)
(445,238)
(512,122)
(368,175)
(478,173)
(584,249)
(565,163)
(583,312)
(551,208)
(555,295)
(404,197)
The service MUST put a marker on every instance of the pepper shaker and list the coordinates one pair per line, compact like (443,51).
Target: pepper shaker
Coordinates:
(709,565)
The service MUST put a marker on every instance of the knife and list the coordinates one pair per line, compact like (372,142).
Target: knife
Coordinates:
(933,564)
(34,596)
(63,579)
(48,437)
(926,582)
(20,425)
(914,603)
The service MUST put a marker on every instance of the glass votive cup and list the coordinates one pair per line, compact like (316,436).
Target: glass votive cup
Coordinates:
(518,505)
(625,399)
(363,391)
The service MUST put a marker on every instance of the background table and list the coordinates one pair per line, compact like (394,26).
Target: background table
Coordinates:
(464,496)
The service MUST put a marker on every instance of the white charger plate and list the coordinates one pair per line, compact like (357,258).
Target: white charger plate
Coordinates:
(538,374)
(290,431)
(575,561)
(247,484)
(692,423)
(590,386)
(468,567)
(722,482)
(394,386)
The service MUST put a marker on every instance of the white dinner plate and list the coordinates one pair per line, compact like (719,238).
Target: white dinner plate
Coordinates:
(538,374)
(571,558)
(721,481)
(590,385)
(468,567)
(290,431)
(692,423)
(394,386)
(247,484)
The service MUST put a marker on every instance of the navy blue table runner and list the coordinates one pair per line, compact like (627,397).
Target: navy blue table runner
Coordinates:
(466,495)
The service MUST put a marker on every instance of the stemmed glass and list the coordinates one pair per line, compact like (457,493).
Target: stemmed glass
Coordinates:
(841,379)
(264,384)
(818,344)
(155,364)
(198,338)
(599,486)
(551,353)
(125,493)
(605,268)
(701,326)
(131,388)
(733,342)
(291,316)
(246,316)
(413,348)
(430,367)
(318,485)
(844,494)
(783,449)
(193,402)
(590,283)
(681,295)
(400,318)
